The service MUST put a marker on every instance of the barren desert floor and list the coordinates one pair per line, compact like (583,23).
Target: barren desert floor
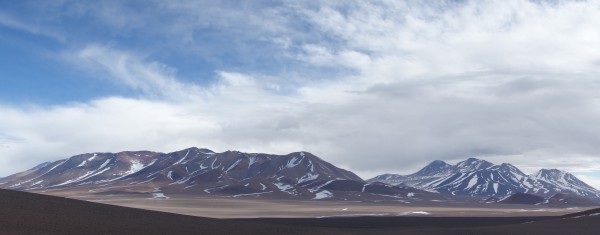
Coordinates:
(226,207)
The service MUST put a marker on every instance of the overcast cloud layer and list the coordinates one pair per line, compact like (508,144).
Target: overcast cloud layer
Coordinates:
(372,87)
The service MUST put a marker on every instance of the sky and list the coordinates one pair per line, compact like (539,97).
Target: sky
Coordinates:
(371,86)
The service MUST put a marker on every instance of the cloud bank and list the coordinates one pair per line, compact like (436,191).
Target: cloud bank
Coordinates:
(373,87)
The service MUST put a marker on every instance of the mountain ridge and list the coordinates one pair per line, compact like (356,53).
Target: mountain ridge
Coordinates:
(297,175)
(197,171)
(476,177)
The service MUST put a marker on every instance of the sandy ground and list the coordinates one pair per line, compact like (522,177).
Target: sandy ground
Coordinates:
(259,208)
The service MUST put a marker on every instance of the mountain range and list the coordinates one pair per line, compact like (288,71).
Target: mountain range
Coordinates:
(195,171)
(480,178)
(299,175)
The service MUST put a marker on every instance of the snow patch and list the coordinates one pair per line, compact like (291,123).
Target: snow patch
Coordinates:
(285,188)
(134,167)
(320,186)
(212,165)
(183,158)
(251,161)
(282,186)
(323,194)
(251,194)
(159,195)
(472,182)
(181,181)
(202,167)
(104,164)
(54,167)
(308,177)
(527,184)
(209,189)
(74,180)
(291,163)
(233,165)
(82,163)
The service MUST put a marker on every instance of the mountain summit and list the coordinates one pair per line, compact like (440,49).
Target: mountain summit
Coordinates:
(433,168)
(475,177)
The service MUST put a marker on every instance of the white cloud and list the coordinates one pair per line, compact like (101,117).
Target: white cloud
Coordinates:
(109,124)
(6,141)
(474,36)
(151,78)
(14,23)
(507,81)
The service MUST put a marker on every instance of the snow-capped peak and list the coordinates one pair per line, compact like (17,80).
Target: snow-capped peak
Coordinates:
(550,174)
(472,164)
(477,177)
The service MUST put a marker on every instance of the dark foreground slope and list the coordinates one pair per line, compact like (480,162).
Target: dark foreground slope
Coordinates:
(587,222)
(27,213)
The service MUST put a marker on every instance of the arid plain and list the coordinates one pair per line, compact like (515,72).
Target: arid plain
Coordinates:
(228,207)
